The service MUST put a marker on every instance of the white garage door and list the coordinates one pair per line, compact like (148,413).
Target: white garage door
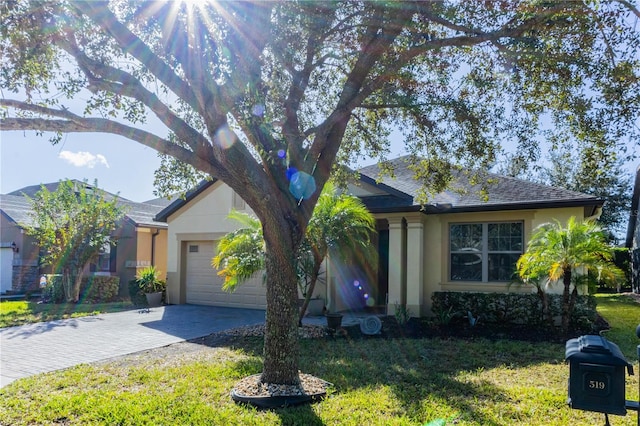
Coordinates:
(6,268)
(204,286)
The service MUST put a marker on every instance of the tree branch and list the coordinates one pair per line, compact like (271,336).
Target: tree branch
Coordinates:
(100,125)
(100,14)
(127,85)
(630,6)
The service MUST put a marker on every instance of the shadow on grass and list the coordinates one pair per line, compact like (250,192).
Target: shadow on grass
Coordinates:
(414,370)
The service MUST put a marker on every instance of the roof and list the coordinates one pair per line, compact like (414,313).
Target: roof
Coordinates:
(504,193)
(177,204)
(633,216)
(16,206)
(31,190)
(162,202)
(401,191)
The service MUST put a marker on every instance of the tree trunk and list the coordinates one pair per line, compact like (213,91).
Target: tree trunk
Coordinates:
(76,285)
(566,298)
(67,284)
(546,312)
(281,328)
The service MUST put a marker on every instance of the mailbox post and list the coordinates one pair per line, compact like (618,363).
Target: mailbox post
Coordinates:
(597,376)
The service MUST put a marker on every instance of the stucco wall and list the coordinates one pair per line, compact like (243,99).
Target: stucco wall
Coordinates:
(203,219)
(437,246)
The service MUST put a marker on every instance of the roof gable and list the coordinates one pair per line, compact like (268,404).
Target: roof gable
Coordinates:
(503,192)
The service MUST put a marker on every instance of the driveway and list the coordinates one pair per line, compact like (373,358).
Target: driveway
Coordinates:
(37,348)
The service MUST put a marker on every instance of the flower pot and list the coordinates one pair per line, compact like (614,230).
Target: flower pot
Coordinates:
(154,299)
(334,321)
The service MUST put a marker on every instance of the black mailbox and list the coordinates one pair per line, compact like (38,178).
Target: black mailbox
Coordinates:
(596,375)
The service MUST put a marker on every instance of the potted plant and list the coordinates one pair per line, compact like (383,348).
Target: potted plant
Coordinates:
(151,285)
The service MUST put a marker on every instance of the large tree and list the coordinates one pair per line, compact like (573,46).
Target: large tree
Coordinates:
(340,225)
(72,225)
(269,96)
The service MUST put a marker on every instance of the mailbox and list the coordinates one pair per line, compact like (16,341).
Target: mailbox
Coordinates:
(596,375)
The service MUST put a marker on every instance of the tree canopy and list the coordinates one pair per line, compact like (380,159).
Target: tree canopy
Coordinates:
(71,225)
(269,96)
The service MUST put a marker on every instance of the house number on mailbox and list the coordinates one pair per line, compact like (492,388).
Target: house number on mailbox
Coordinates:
(596,383)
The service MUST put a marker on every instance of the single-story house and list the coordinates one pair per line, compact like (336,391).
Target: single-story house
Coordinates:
(633,235)
(140,241)
(459,241)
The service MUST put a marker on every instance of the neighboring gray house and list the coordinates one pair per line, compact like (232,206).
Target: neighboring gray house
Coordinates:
(141,241)
(633,235)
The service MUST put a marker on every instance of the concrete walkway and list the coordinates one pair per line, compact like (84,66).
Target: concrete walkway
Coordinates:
(37,348)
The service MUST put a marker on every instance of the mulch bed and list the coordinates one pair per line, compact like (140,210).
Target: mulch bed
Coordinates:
(415,328)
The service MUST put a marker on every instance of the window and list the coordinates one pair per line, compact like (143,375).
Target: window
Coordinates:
(104,259)
(484,251)
(193,249)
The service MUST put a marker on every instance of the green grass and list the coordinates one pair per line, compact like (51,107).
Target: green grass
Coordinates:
(625,317)
(376,382)
(22,312)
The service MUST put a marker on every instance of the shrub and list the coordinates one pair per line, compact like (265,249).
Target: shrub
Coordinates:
(511,308)
(99,288)
(136,294)
(54,291)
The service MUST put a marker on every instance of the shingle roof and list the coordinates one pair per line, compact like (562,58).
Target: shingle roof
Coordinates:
(503,192)
(402,190)
(16,206)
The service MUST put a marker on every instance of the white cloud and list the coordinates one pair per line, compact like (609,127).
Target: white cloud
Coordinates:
(83,159)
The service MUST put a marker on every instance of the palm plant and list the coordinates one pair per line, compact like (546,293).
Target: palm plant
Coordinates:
(340,224)
(240,253)
(567,254)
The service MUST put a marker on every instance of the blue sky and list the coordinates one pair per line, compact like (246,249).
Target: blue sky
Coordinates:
(121,166)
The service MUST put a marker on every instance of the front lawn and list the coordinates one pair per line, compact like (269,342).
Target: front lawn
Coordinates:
(14,313)
(376,381)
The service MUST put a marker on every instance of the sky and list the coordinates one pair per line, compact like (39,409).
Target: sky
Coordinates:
(121,166)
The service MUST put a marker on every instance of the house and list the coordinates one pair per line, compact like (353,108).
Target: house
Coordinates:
(458,242)
(633,235)
(140,242)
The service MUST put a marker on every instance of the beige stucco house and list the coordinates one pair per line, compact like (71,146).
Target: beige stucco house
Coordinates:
(140,242)
(457,242)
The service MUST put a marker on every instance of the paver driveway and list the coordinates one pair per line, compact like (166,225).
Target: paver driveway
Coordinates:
(36,348)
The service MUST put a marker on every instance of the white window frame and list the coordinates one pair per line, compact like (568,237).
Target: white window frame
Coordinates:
(484,250)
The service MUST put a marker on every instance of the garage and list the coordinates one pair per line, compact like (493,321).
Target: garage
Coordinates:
(204,286)
(6,268)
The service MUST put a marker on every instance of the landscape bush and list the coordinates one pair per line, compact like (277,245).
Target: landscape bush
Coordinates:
(93,289)
(99,288)
(54,291)
(136,294)
(510,308)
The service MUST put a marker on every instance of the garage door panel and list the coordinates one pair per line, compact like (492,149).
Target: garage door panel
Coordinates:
(204,286)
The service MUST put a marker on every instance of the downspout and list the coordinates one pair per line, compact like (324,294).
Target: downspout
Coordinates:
(153,246)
